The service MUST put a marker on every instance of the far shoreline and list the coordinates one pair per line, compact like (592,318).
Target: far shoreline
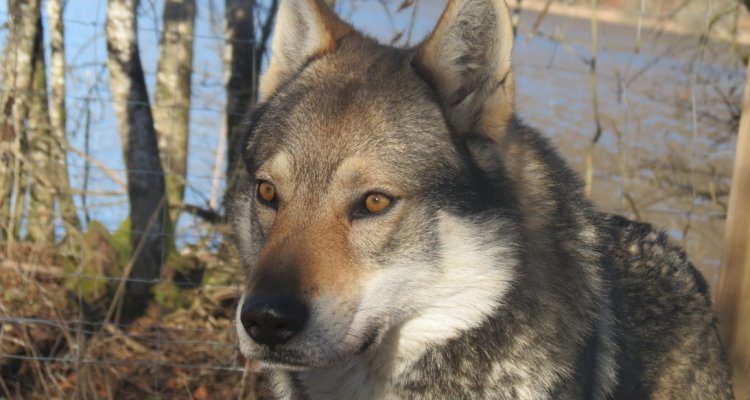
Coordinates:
(606,14)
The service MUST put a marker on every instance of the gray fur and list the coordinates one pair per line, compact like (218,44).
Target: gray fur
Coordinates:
(491,277)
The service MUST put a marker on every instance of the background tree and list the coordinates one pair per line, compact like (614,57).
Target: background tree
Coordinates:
(733,296)
(240,73)
(172,97)
(14,105)
(38,151)
(244,52)
(149,219)
(58,113)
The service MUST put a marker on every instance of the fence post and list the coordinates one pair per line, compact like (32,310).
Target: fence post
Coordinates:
(733,294)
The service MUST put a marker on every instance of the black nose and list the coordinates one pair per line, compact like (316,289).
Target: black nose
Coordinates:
(273,320)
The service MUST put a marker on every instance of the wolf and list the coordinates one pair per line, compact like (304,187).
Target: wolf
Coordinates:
(406,236)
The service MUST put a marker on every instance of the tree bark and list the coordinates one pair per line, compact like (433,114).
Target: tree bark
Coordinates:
(41,218)
(172,97)
(733,294)
(146,188)
(14,105)
(240,75)
(67,208)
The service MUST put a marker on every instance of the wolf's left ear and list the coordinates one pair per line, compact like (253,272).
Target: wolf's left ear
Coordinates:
(468,59)
(305,29)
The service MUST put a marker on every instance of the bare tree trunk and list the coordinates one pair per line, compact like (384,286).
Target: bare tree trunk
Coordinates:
(733,294)
(41,219)
(146,188)
(172,97)
(67,207)
(240,74)
(14,105)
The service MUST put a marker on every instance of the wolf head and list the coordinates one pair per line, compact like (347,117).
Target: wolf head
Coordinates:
(362,216)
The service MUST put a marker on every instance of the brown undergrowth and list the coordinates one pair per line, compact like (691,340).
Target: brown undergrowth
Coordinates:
(56,342)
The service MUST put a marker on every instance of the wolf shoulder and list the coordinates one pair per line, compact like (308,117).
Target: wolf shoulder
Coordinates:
(668,328)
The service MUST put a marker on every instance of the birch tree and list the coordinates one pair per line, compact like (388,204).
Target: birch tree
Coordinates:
(172,97)
(149,219)
(41,218)
(57,112)
(14,104)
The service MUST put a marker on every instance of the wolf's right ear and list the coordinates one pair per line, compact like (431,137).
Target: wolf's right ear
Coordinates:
(304,29)
(468,59)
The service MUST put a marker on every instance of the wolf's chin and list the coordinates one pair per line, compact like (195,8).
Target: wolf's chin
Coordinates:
(282,366)
(280,362)
(294,366)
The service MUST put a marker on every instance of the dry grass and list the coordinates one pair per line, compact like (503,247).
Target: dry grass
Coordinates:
(51,347)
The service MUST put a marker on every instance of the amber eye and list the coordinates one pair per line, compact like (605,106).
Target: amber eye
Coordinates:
(266,191)
(377,202)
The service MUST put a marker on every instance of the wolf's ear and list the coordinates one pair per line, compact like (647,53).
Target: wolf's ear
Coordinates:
(304,29)
(468,59)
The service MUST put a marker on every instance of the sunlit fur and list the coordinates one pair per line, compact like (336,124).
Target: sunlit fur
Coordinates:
(489,275)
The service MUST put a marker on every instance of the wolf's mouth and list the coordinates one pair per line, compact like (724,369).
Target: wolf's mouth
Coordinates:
(283,360)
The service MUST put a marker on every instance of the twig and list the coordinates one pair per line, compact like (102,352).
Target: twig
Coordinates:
(412,21)
(265,34)
(120,291)
(207,214)
(87,160)
(118,334)
(389,16)
(216,181)
(98,164)
(5,387)
(540,17)
(594,102)
(49,271)
(633,207)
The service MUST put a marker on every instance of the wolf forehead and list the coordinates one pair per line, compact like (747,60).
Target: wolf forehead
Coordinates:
(362,99)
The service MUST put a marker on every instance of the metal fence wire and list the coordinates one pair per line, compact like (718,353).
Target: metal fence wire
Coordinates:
(641,96)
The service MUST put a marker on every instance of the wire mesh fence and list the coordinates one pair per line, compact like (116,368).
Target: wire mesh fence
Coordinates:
(642,97)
